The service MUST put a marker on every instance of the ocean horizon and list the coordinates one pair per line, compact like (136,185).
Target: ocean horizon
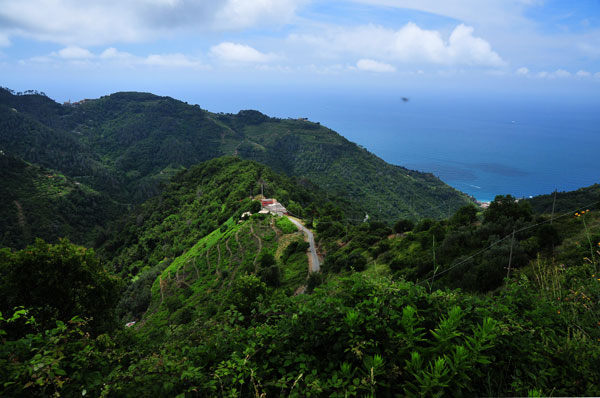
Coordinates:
(483,146)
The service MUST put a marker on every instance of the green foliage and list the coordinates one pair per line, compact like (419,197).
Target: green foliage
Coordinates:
(566,201)
(246,292)
(354,336)
(507,208)
(41,203)
(57,282)
(127,144)
(403,226)
(197,202)
(466,215)
(286,226)
(217,298)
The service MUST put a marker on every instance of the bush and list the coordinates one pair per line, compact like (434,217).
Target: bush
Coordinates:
(402,226)
(285,225)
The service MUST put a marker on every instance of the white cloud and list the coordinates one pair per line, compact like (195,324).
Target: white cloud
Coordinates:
(557,74)
(113,53)
(234,52)
(374,66)
(466,48)
(172,61)
(522,71)
(239,14)
(409,44)
(111,56)
(74,52)
(583,73)
(562,73)
(100,22)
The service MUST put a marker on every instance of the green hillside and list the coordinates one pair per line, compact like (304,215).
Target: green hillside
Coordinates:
(187,295)
(192,236)
(40,203)
(129,143)
(566,201)
(220,311)
(196,202)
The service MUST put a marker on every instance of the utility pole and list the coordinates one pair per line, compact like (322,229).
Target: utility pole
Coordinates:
(433,250)
(434,266)
(553,204)
(512,241)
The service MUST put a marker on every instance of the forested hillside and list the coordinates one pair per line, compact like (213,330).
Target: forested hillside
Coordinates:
(566,201)
(126,144)
(194,292)
(221,304)
(41,203)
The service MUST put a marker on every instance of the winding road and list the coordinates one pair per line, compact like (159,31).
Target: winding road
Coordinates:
(316,265)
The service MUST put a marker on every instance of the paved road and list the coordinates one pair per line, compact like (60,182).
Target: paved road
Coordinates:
(316,265)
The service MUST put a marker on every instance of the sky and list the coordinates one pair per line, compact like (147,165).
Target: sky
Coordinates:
(73,49)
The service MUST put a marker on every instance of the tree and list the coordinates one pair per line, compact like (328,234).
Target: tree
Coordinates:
(58,282)
(507,207)
(466,215)
(403,226)
(245,293)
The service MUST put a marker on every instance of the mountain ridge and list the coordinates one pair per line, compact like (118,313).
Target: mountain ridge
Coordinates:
(128,143)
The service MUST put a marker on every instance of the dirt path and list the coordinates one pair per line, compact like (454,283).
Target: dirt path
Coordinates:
(229,250)
(219,258)
(21,219)
(193,262)
(255,262)
(208,259)
(180,278)
(241,255)
(241,250)
(20,214)
(277,231)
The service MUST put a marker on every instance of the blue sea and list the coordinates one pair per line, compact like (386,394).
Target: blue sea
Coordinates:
(482,145)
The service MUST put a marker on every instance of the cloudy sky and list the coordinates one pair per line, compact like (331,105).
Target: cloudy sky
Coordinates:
(74,48)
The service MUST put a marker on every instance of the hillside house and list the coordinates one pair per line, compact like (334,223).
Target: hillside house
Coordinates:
(273,206)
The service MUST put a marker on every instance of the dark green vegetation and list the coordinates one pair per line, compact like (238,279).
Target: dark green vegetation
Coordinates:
(38,202)
(501,302)
(197,201)
(449,253)
(127,144)
(190,235)
(566,201)
(58,282)
(217,314)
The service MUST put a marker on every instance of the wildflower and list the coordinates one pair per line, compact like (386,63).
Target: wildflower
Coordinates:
(558,312)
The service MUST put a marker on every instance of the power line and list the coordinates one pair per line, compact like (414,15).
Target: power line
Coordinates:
(506,237)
